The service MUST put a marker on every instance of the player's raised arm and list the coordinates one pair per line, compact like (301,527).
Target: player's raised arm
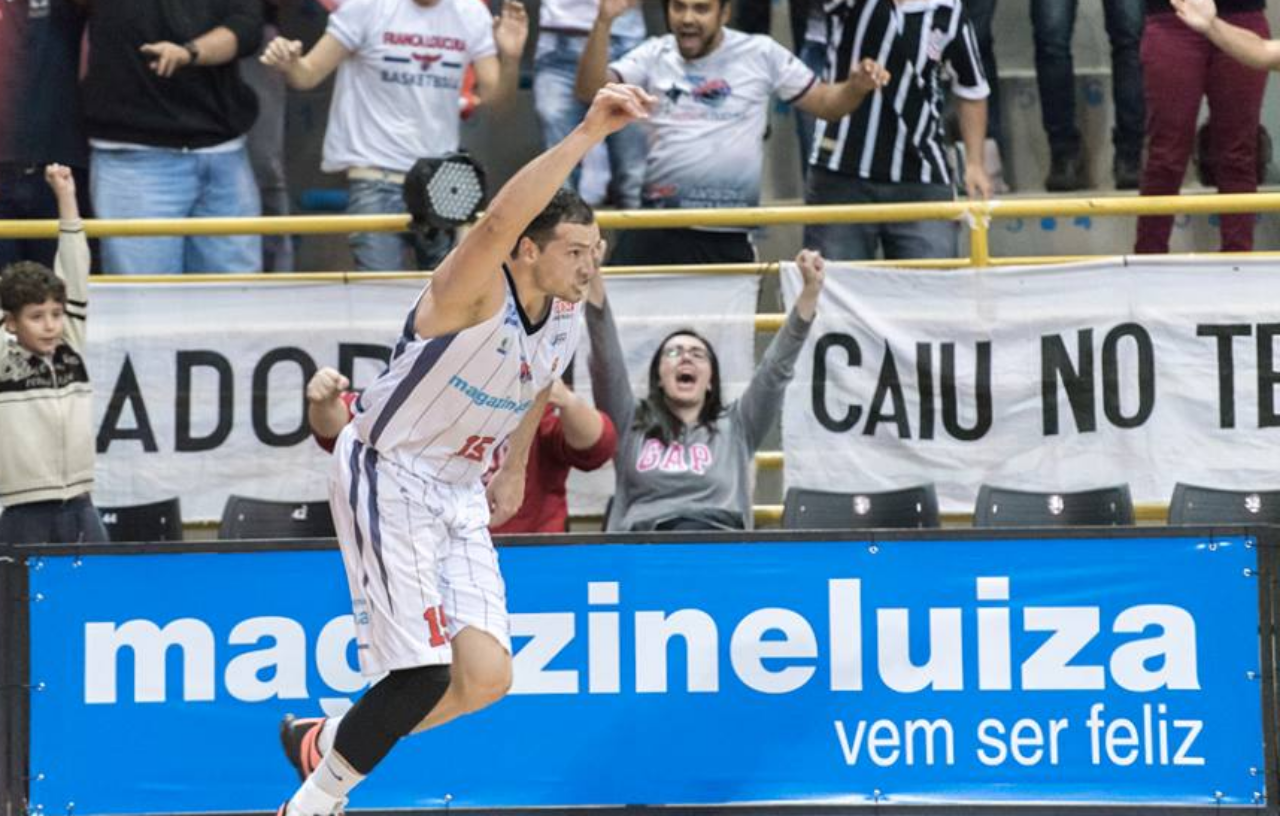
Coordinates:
(467,287)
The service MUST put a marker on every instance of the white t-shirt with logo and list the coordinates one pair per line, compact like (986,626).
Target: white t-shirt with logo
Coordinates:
(706,135)
(396,96)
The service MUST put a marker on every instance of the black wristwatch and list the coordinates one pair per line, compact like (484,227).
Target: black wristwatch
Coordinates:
(191,49)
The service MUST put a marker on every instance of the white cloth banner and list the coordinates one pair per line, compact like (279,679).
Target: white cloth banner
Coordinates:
(199,387)
(1147,371)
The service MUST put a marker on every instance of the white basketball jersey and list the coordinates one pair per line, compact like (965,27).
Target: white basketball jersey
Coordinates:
(445,403)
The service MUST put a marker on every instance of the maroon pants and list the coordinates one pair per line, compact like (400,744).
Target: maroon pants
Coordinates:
(1179,68)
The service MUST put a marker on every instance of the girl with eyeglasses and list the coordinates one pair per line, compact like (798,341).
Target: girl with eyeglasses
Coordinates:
(684,456)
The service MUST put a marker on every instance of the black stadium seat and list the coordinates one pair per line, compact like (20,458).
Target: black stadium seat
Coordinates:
(1002,507)
(157,521)
(244,518)
(1192,504)
(819,510)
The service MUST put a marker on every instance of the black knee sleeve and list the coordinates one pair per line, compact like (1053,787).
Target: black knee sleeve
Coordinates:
(387,712)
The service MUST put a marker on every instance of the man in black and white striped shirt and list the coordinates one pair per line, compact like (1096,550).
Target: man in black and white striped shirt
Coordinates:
(892,148)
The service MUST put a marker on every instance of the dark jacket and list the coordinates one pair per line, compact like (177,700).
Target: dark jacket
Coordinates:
(199,106)
(39,78)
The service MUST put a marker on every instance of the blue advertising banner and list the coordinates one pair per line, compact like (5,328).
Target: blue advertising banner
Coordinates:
(1105,670)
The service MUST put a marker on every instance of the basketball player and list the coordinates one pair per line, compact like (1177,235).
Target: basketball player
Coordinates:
(494,327)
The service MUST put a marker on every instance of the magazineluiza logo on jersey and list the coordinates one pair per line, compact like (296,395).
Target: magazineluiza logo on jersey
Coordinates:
(484,399)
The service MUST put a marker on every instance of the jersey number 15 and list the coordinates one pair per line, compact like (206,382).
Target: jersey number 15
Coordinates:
(475,448)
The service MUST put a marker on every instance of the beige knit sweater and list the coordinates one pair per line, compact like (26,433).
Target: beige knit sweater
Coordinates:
(46,403)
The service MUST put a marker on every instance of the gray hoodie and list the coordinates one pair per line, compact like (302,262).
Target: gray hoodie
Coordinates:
(700,470)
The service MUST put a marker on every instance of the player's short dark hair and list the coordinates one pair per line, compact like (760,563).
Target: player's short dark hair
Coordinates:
(566,207)
(719,3)
(27,283)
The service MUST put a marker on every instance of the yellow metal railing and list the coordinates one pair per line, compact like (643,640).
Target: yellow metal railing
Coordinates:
(976,214)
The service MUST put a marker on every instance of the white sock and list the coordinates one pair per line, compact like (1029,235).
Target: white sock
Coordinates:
(325,791)
(328,730)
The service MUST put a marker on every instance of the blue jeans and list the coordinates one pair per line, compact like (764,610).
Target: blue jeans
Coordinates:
(73,521)
(384,251)
(814,56)
(176,184)
(559,111)
(1053,22)
(909,240)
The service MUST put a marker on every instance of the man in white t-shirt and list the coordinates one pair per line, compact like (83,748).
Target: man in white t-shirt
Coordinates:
(400,67)
(706,138)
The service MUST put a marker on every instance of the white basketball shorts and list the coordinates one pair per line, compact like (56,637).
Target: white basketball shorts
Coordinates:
(419,560)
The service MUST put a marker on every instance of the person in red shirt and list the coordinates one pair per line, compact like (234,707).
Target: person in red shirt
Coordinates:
(572,434)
